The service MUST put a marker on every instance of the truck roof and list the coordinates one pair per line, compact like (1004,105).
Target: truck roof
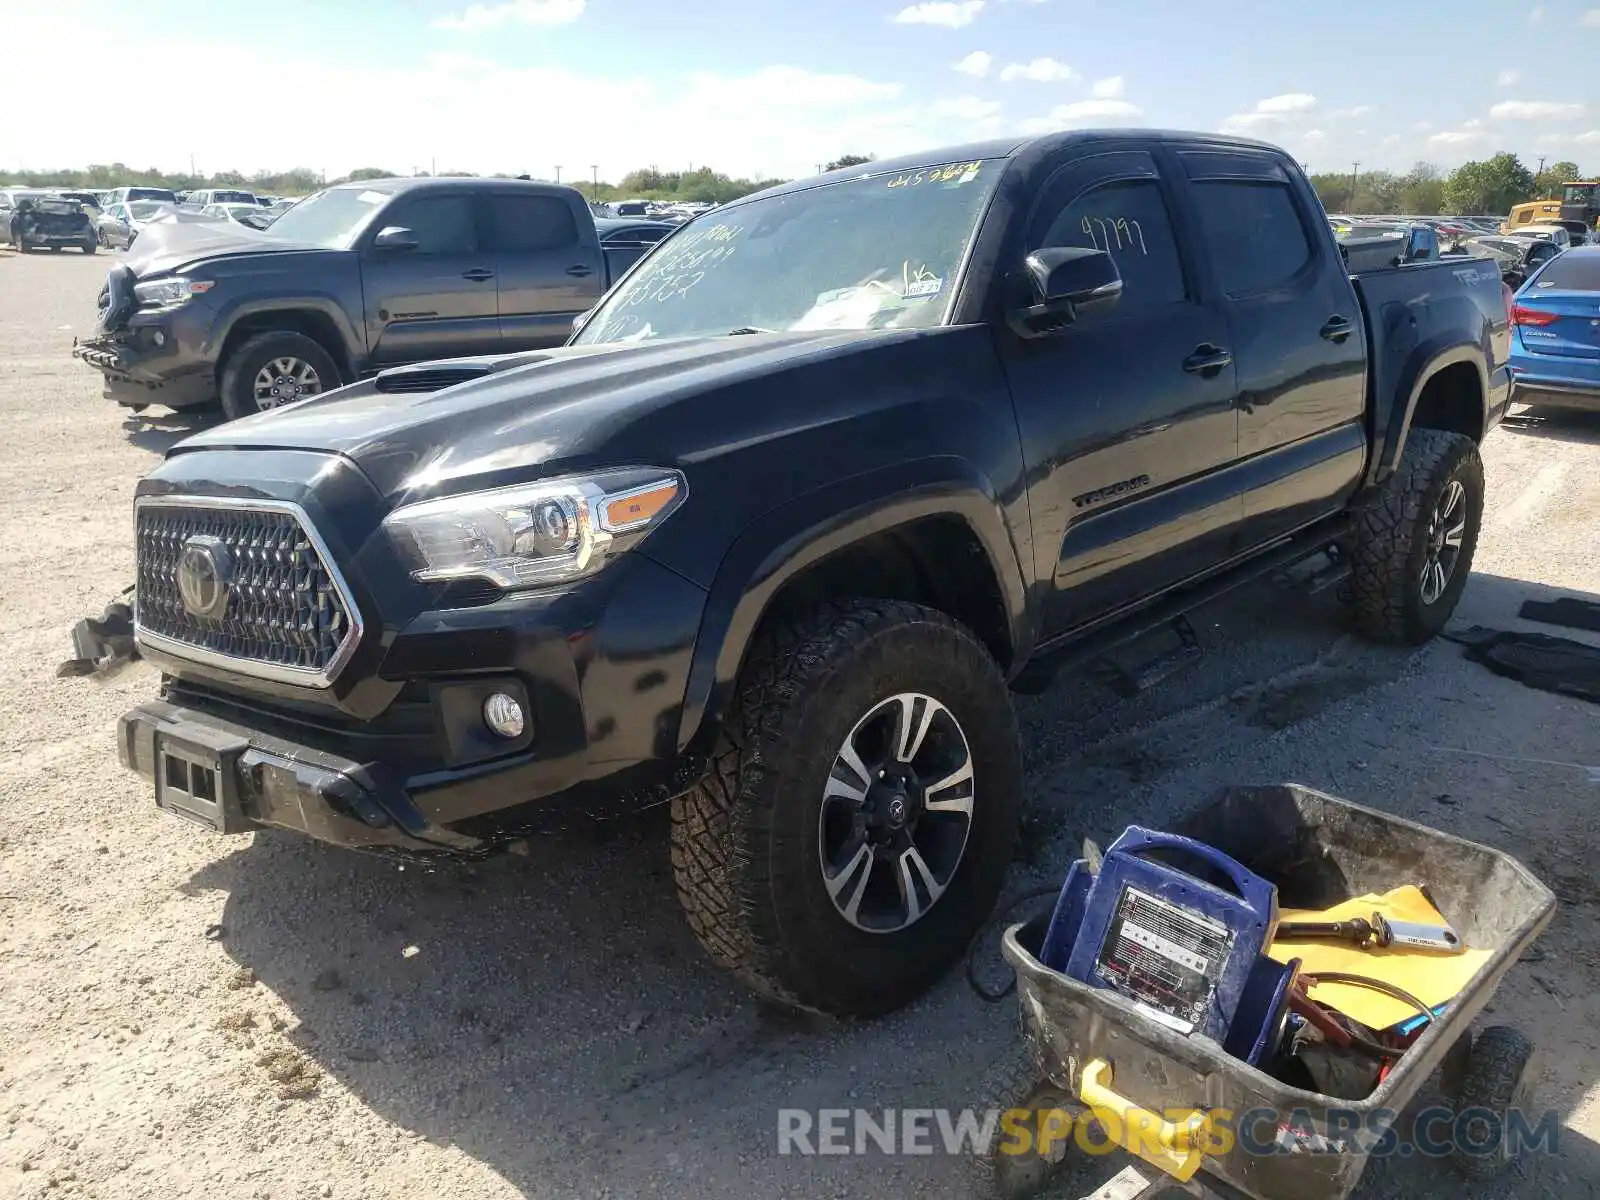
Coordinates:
(1018,147)
(393,187)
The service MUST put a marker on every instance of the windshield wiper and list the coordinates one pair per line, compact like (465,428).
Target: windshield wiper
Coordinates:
(744,329)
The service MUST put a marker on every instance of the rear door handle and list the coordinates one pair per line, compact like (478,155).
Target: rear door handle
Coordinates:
(478,274)
(1337,329)
(1207,360)
(580,272)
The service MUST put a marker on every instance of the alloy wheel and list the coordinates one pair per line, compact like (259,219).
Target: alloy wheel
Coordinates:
(896,813)
(285,380)
(1446,530)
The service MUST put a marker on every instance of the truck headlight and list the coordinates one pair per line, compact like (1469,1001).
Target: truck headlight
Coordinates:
(164,292)
(536,534)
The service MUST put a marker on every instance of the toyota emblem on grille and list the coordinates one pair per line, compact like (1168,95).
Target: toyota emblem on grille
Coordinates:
(205,568)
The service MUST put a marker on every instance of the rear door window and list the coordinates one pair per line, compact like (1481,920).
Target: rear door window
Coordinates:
(1257,239)
(530,224)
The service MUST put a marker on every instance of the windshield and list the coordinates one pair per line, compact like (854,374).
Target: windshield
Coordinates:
(330,219)
(1580,193)
(880,252)
(152,194)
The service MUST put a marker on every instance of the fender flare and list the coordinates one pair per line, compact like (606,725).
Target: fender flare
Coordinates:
(786,541)
(352,350)
(1426,361)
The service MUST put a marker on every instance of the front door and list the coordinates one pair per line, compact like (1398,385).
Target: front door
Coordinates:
(1299,345)
(1127,416)
(437,300)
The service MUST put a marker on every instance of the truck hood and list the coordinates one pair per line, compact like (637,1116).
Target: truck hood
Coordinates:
(547,412)
(166,244)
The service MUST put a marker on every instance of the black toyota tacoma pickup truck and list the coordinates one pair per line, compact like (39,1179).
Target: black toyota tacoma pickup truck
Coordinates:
(769,539)
(356,278)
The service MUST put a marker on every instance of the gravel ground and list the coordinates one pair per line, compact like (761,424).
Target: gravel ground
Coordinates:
(182,1015)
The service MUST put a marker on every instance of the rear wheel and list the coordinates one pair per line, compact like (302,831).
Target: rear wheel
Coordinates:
(1412,551)
(1495,1083)
(269,370)
(859,815)
(91,244)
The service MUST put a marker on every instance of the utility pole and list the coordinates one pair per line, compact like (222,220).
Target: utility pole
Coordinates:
(191,165)
(1538,173)
(595,170)
(433,165)
(558,172)
(1354,168)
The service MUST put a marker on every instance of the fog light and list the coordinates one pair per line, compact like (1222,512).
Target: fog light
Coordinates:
(503,715)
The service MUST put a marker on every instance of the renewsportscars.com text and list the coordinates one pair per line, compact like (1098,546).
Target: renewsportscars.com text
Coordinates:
(1435,1132)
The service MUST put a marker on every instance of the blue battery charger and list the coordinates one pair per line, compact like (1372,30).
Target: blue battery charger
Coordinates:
(1181,930)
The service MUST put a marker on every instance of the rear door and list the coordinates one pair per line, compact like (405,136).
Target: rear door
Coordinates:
(548,265)
(439,299)
(1297,335)
(1126,416)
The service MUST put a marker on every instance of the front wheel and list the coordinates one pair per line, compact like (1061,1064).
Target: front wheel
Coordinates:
(858,818)
(269,370)
(1412,550)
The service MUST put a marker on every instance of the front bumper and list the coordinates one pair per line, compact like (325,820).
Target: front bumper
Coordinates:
(271,781)
(134,377)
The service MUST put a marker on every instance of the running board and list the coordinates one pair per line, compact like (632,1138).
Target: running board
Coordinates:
(1135,680)
(1099,638)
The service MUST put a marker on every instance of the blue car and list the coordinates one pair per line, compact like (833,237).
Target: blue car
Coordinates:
(1555,343)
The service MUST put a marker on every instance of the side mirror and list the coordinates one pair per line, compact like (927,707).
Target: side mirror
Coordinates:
(395,237)
(579,321)
(1066,282)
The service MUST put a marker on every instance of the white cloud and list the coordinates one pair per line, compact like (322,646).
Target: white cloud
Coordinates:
(965,108)
(1592,17)
(952,14)
(1108,89)
(1457,137)
(1040,70)
(1474,123)
(1289,102)
(1507,78)
(1423,126)
(1589,135)
(1359,110)
(1392,139)
(477,17)
(1536,14)
(767,120)
(1313,135)
(1535,110)
(976,64)
(1079,110)
(1273,111)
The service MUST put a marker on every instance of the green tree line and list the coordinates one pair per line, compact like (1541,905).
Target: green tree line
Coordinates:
(648,183)
(1487,187)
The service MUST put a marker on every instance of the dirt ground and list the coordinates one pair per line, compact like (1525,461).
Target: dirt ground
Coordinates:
(183,1015)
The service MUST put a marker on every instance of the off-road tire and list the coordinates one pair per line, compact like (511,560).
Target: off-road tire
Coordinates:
(745,852)
(1389,546)
(1495,1079)
(236,386)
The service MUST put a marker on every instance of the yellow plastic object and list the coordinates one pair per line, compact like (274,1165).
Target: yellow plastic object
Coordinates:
(1174,1148)
(1431,977)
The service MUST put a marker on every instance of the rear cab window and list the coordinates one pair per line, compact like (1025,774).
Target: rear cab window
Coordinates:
(1255,231)
(530,223)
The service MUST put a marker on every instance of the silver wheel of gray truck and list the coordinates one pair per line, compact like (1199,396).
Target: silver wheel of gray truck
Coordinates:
(1412,550)
(858,818)
(272,369)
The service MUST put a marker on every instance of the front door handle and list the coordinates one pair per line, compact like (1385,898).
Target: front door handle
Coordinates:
(478,274)
(1207,360)
(1337,329)
(580,272)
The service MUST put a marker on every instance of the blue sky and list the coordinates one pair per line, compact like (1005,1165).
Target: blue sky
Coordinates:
(778,87)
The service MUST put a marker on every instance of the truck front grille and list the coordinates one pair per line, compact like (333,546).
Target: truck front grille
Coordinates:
(287,615)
